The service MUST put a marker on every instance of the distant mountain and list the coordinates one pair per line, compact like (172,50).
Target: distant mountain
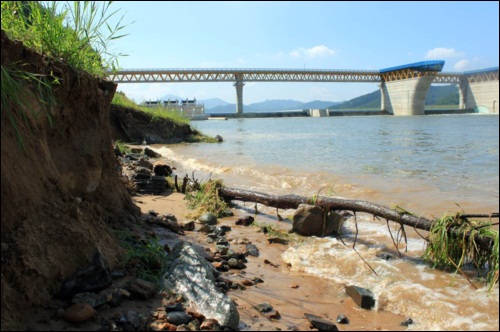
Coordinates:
(315,104)
(370,100)
(272,105)
(437,95)
(213,102)
(277,105)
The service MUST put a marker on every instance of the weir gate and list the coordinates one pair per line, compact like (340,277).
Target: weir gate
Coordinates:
(403,88)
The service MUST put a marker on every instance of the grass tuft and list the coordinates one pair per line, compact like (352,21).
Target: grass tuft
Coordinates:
(77,32)
(459,248)
(207,199)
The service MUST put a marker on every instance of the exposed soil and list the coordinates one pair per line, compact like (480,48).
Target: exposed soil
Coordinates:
(60,192)
(130,125)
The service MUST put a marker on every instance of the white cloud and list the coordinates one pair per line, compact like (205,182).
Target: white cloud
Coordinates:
(462,65)
(443,53)
(313,52)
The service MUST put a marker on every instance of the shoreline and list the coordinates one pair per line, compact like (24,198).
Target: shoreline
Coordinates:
(314,295)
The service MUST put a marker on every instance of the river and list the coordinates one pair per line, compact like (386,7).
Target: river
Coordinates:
(428,165)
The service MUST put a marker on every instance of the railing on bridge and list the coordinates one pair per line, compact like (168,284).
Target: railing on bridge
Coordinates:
(292,75)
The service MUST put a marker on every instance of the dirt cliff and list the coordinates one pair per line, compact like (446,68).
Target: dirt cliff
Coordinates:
(60,190)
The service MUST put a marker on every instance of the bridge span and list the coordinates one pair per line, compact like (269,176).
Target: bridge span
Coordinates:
(403,88)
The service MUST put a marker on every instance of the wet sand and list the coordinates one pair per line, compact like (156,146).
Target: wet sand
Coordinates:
(313,295)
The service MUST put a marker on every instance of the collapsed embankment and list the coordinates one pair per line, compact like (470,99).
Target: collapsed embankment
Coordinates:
(60,189)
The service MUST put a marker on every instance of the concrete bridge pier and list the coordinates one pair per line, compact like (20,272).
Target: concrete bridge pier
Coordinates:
(239,95)
(407,96)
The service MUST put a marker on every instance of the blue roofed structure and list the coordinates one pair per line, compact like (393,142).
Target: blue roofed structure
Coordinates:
(431,65)
(480,71)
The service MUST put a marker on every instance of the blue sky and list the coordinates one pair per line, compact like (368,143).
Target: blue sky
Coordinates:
(314,35)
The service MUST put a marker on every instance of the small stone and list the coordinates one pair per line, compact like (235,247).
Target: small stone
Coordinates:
(60,313)
(142,289)
(233,263)
(277,240)
(209,324)
(252,250)
(208,219)
(183,327)
(294,286)
(246,221)
(264,307)
(342,319)
(177,306)
(178,317)
(257,280)
(117,274)
(157,325)
(407,322)
(79,312)
(320,323)
(266,261)
(247,283)
(361,296)
(196,315)
(275,314)
(189,226)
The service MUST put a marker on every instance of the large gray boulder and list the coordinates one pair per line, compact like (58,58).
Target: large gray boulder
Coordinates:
(308,220)
(192,276)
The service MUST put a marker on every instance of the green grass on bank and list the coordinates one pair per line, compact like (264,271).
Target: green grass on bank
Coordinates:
(156,112)
(78,33)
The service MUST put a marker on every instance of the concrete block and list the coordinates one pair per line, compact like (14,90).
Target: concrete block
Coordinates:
(362,296)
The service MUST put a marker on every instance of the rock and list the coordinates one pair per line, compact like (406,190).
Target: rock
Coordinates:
(178,317)
(190,274)
(145,164)
(208,219)
(227,213)
(151,153)
(219,138)
(90,298)
(277,240)
(189,226)
(268,262)
(233,263)
(386,256)
(184,327)
(342,319)
(247,282)
(157,325)
(320,323)
(247,221)
(117,274)
(263,307)
(142,289)
(163,170)
(92,279)
(252,250)
(308,220)
(206,229)
(275,314)
(210,324)
(257,280)
(177,306)
(407,322)
(294,286)
(362,296)
(79,312)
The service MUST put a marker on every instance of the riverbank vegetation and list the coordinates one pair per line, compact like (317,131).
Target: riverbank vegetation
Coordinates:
(452,243)
(121,99)
(78,33)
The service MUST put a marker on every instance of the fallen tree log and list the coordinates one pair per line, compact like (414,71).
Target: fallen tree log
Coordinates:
(377,210)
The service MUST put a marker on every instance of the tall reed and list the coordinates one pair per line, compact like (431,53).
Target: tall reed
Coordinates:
(78,33)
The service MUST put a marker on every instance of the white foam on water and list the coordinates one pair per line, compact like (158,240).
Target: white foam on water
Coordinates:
(401,286)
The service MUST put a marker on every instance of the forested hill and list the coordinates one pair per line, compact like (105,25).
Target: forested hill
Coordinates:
(437,95)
